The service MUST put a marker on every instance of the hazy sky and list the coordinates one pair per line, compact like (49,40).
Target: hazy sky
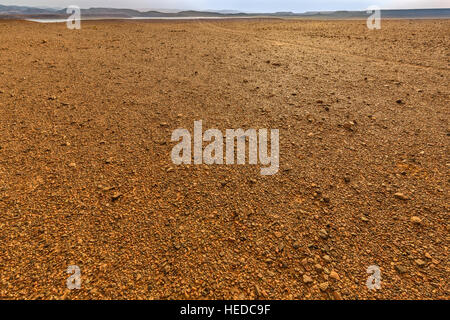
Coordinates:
(243,5)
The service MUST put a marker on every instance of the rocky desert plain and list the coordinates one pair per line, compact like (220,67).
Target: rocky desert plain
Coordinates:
(86,176)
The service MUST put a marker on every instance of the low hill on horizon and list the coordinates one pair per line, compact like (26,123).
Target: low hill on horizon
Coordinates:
(15,12)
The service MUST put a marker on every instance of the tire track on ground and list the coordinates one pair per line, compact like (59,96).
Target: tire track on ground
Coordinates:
(211,27)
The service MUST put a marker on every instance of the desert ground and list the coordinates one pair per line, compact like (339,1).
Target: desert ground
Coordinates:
(86,176)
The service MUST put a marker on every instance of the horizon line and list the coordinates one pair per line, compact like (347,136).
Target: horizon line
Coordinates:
(217,10)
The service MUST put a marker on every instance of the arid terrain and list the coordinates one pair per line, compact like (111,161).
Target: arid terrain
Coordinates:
(86,177)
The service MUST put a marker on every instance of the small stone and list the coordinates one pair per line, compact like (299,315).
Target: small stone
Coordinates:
(277,234)
(416,220)
(323,234)
(72,165)
(337,295)
(401,196)
(348,126)
(296,245)
(334,275)
(327,258)
(318,267)
(428,256)
(307,279)
(400,269)
(323,286)
(116,196)
(364,219)
(420,262)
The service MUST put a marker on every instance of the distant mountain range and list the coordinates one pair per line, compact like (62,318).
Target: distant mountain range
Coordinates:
(19,12)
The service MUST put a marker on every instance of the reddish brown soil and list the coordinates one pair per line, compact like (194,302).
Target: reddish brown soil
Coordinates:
(86,176)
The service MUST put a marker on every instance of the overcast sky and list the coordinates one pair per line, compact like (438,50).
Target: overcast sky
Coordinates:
(243,5)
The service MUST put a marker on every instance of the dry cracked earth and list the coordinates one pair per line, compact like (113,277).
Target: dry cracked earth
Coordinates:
(86,176)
